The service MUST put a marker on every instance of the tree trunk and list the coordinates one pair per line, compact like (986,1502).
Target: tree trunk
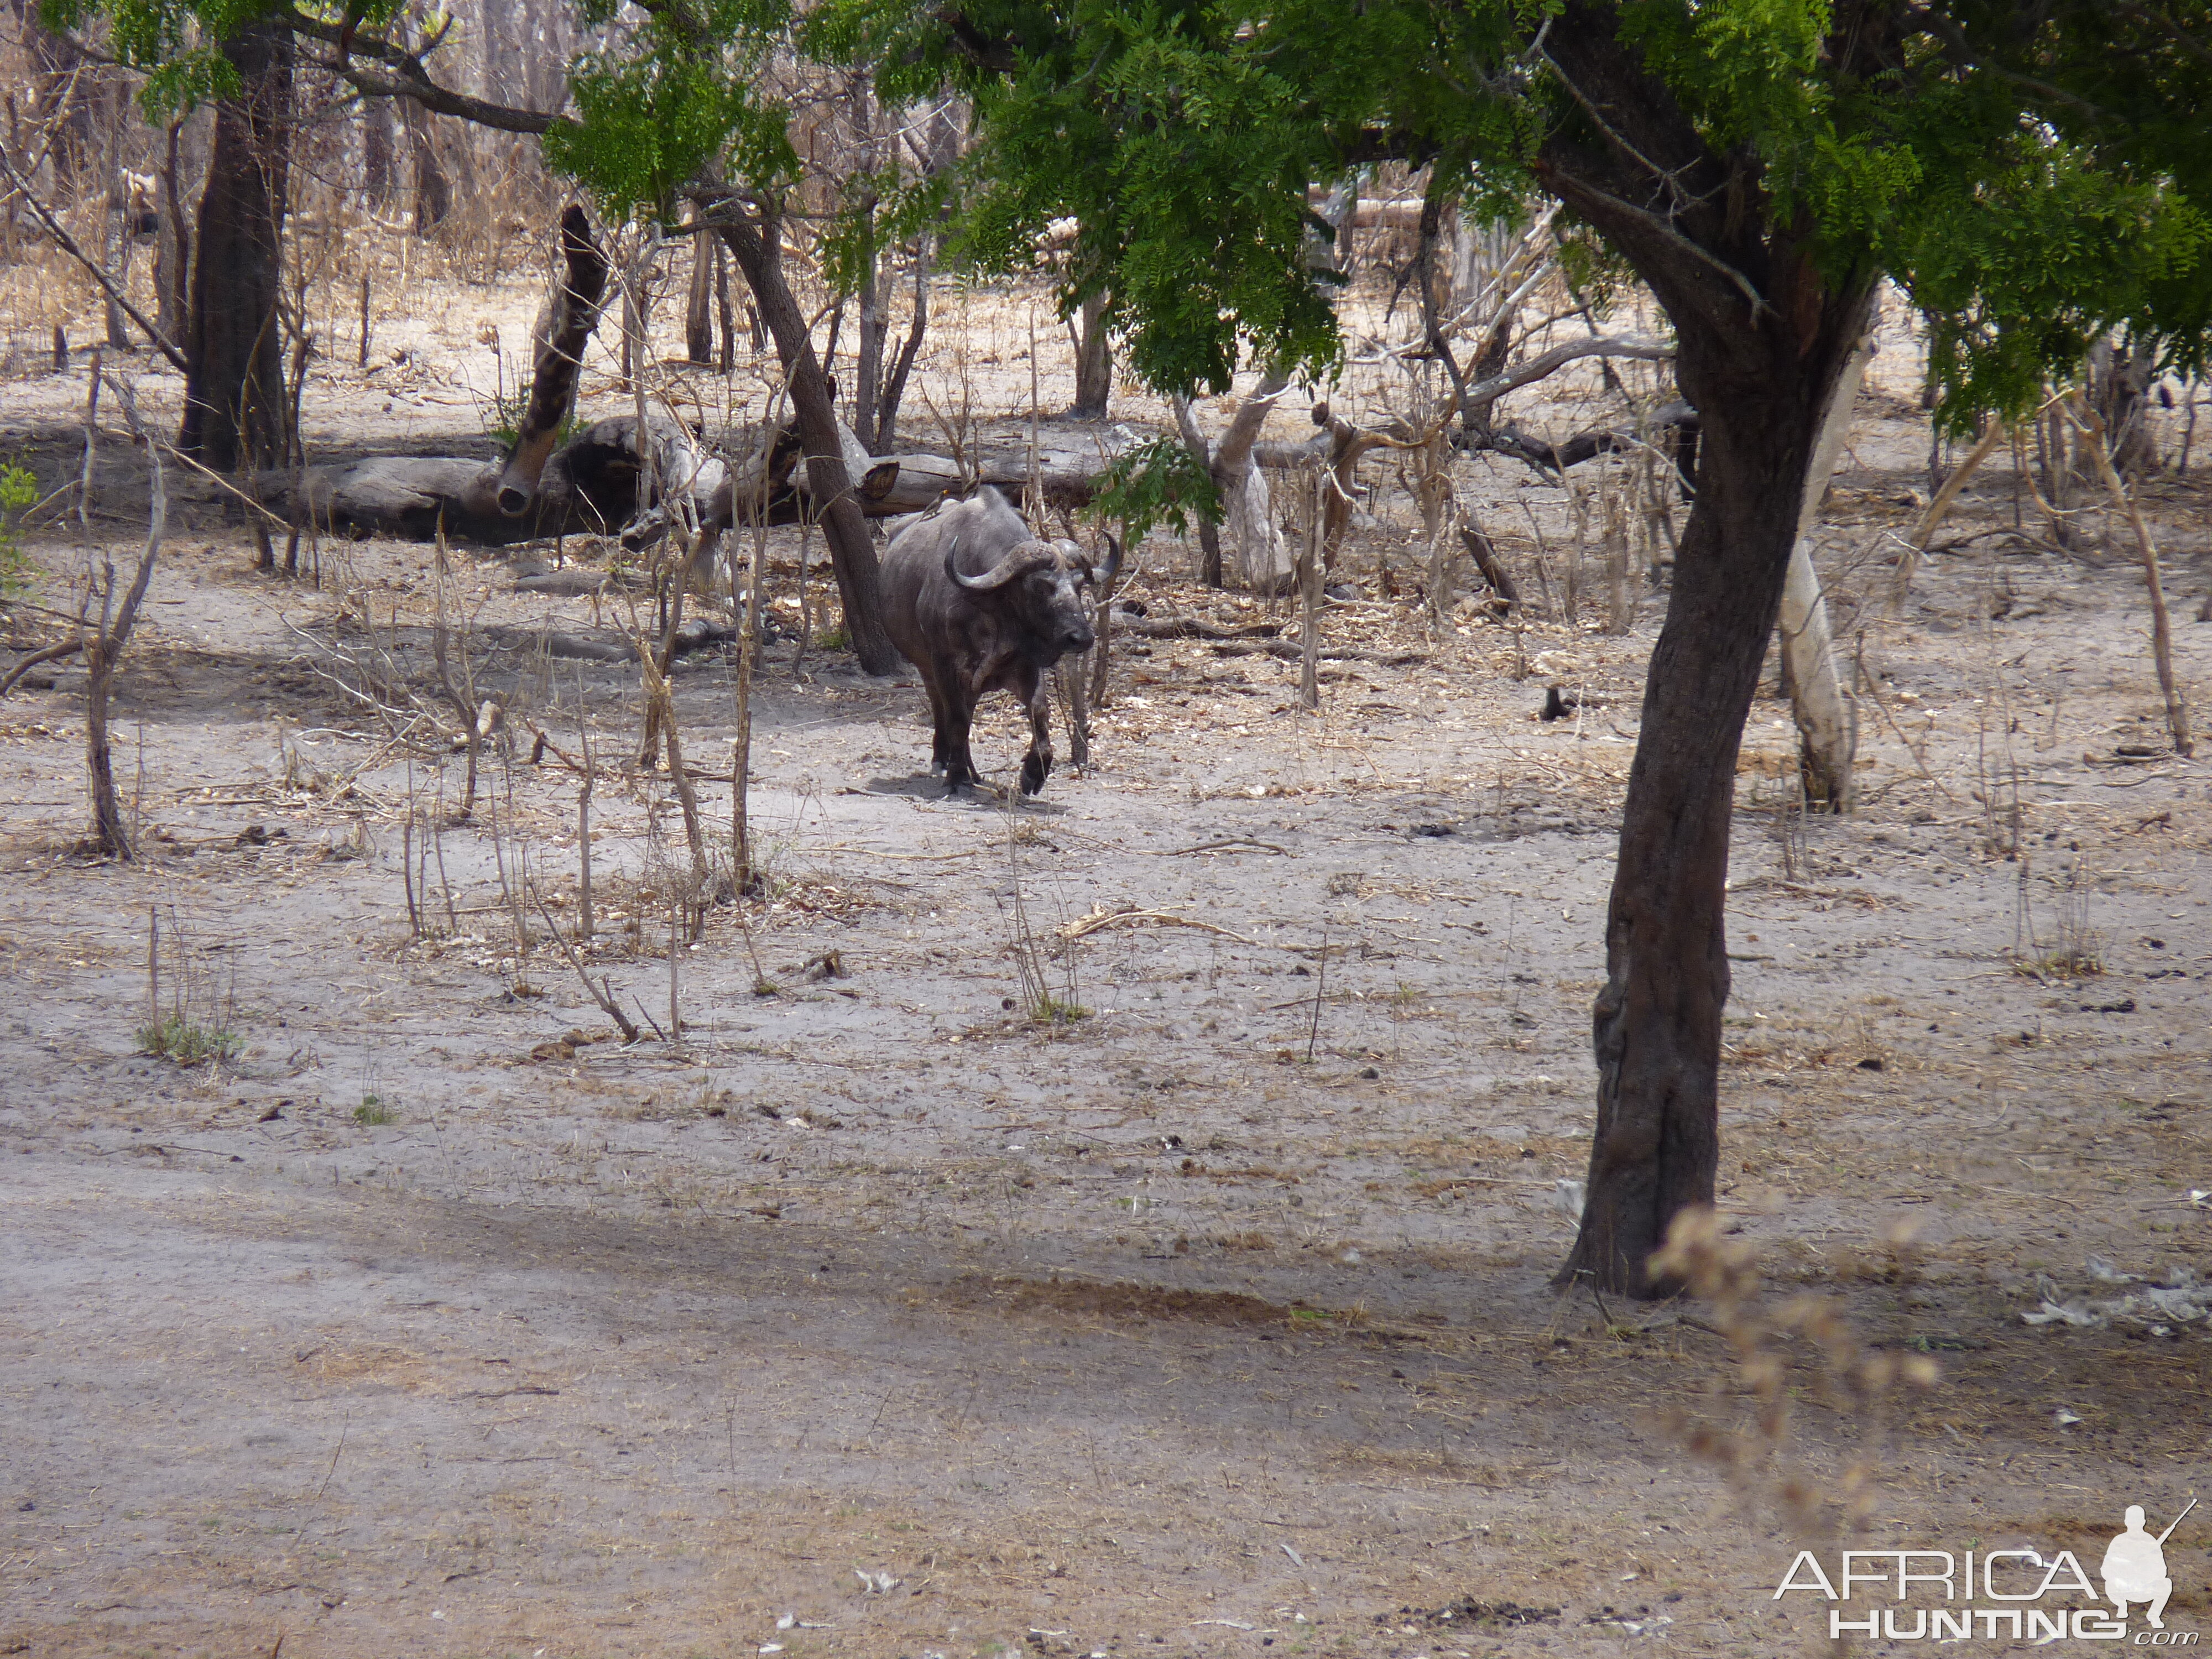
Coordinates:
(172,253)
(1827,723)
(119,232)
(234,348)
(894,392)
(1209,532)
(558,363)
(729,321)
(758,251)
(1761,391)
(1094,361)
(2119,379)
(1230,465)
(699,304)
(433,194)
(868,358)
(376,151)
(103,651)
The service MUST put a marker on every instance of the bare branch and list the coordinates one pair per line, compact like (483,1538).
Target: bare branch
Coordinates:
(1475,406)
(412,78)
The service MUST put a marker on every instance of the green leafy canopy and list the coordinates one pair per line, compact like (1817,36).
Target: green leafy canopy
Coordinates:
(2031,174)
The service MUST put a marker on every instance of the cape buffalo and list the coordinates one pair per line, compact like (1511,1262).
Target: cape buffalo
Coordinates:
(978,605)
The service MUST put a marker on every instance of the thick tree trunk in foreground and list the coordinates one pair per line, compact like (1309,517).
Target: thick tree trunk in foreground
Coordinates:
(1763,336)
(234,343)
(758,251)
(1657,1024)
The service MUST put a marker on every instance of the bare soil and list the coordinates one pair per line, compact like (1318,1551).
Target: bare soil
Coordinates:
(869,1315)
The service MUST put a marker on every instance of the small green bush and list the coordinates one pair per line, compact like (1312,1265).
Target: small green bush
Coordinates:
(186,1041)
(19,490)
(504,413)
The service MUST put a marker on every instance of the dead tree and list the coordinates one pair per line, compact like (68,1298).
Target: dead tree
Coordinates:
(1228,463)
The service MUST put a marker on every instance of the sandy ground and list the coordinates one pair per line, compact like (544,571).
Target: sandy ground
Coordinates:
(868,1315)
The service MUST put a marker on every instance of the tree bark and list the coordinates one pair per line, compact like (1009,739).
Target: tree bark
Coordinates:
(434,193)
(699,304)
(172,253)
(868,358)
(1094,361)
(757,248)
(233,347)
(376,151)
(1763,336)
(1230,463)
(1828,722)
(894,392)
(1657,1024)
(1209,532)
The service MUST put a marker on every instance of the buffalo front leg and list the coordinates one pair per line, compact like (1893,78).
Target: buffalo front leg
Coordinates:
(1036,765)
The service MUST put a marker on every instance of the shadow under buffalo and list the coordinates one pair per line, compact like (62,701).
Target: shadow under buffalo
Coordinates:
(975,796)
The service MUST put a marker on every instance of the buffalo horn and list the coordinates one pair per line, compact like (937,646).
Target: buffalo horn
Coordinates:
(1019,562)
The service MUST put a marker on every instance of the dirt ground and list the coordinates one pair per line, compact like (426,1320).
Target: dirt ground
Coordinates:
(866,1314)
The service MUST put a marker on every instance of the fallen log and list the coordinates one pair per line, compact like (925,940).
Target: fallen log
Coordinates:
(698,634)
(408,495)
(590,485)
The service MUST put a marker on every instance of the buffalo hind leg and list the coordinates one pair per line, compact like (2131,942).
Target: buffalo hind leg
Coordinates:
(941,727)
(956,716)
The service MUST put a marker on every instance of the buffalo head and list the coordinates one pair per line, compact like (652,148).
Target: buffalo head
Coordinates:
(1045,589)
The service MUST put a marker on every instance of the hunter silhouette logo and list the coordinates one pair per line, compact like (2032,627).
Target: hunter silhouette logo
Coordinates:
(2135,1567)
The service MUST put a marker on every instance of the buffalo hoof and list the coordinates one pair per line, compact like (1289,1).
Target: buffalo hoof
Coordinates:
(1035,769)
